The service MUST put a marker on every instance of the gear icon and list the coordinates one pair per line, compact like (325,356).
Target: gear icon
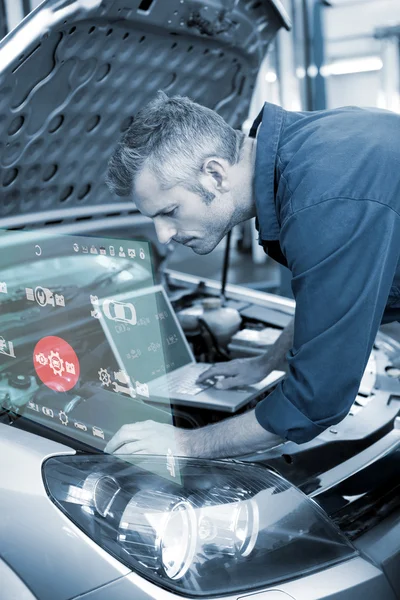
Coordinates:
(104,377)
(63,417)
(41,359)
(56,363)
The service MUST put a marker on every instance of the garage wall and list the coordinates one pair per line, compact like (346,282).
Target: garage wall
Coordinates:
(349,27)
(15,10)
(3,21)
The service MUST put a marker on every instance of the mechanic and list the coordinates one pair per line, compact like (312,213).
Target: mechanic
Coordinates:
(325,189)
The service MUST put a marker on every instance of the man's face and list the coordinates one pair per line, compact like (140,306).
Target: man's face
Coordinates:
(181,215)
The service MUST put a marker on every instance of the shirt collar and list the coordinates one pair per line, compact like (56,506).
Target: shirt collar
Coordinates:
(264,180)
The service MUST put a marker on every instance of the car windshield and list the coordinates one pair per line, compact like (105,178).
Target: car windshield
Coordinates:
(83,331)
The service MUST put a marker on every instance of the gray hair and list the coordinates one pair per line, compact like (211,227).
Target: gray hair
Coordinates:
(173,137)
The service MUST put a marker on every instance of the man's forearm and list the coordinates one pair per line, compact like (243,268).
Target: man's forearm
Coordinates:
(276,355)
(232,437)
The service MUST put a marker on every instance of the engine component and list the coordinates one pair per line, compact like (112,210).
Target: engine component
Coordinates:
(222,321)
(19,382)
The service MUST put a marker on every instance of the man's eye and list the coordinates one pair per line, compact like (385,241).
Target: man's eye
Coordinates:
(170,213)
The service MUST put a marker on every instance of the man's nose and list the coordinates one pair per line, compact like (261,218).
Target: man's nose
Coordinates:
(164,232)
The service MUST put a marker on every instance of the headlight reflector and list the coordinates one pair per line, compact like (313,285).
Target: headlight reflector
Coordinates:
(161,530)
(102,490)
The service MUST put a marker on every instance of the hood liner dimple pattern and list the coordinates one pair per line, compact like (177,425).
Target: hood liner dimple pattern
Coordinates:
(75,83)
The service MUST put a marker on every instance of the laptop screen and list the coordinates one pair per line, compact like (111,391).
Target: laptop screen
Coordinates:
(155,345)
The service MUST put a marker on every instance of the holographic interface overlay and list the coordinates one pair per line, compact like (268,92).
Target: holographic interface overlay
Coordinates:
(57,366)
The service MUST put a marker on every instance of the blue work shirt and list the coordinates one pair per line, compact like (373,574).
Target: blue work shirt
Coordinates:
(327,191)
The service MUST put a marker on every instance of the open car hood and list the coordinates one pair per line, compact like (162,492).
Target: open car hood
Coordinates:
(73,74)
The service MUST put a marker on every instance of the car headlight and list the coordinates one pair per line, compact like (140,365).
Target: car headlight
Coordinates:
(224,528)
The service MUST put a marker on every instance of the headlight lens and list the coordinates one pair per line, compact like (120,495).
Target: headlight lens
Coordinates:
(224,528)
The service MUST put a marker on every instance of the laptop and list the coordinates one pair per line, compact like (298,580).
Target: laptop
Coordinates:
(154,352)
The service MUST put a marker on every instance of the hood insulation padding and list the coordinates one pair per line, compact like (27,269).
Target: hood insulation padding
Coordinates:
(73,74)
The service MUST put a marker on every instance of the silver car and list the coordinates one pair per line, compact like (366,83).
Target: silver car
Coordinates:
(314,521)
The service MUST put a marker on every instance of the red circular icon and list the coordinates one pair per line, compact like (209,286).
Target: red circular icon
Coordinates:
(56,363)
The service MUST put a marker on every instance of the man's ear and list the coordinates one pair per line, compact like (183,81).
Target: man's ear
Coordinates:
(217,169)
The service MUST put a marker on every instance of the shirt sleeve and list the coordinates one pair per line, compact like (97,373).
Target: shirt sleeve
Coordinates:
(343,255)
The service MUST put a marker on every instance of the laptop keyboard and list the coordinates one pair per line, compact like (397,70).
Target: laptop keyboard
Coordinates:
(187,384)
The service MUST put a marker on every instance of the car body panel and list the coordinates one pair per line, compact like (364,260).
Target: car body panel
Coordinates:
(381,545)
(355,579)
(12,586)
(37,541)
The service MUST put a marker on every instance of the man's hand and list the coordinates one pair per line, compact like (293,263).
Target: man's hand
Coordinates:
(238,373)
(232,437)
(148,437)
(245,371)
